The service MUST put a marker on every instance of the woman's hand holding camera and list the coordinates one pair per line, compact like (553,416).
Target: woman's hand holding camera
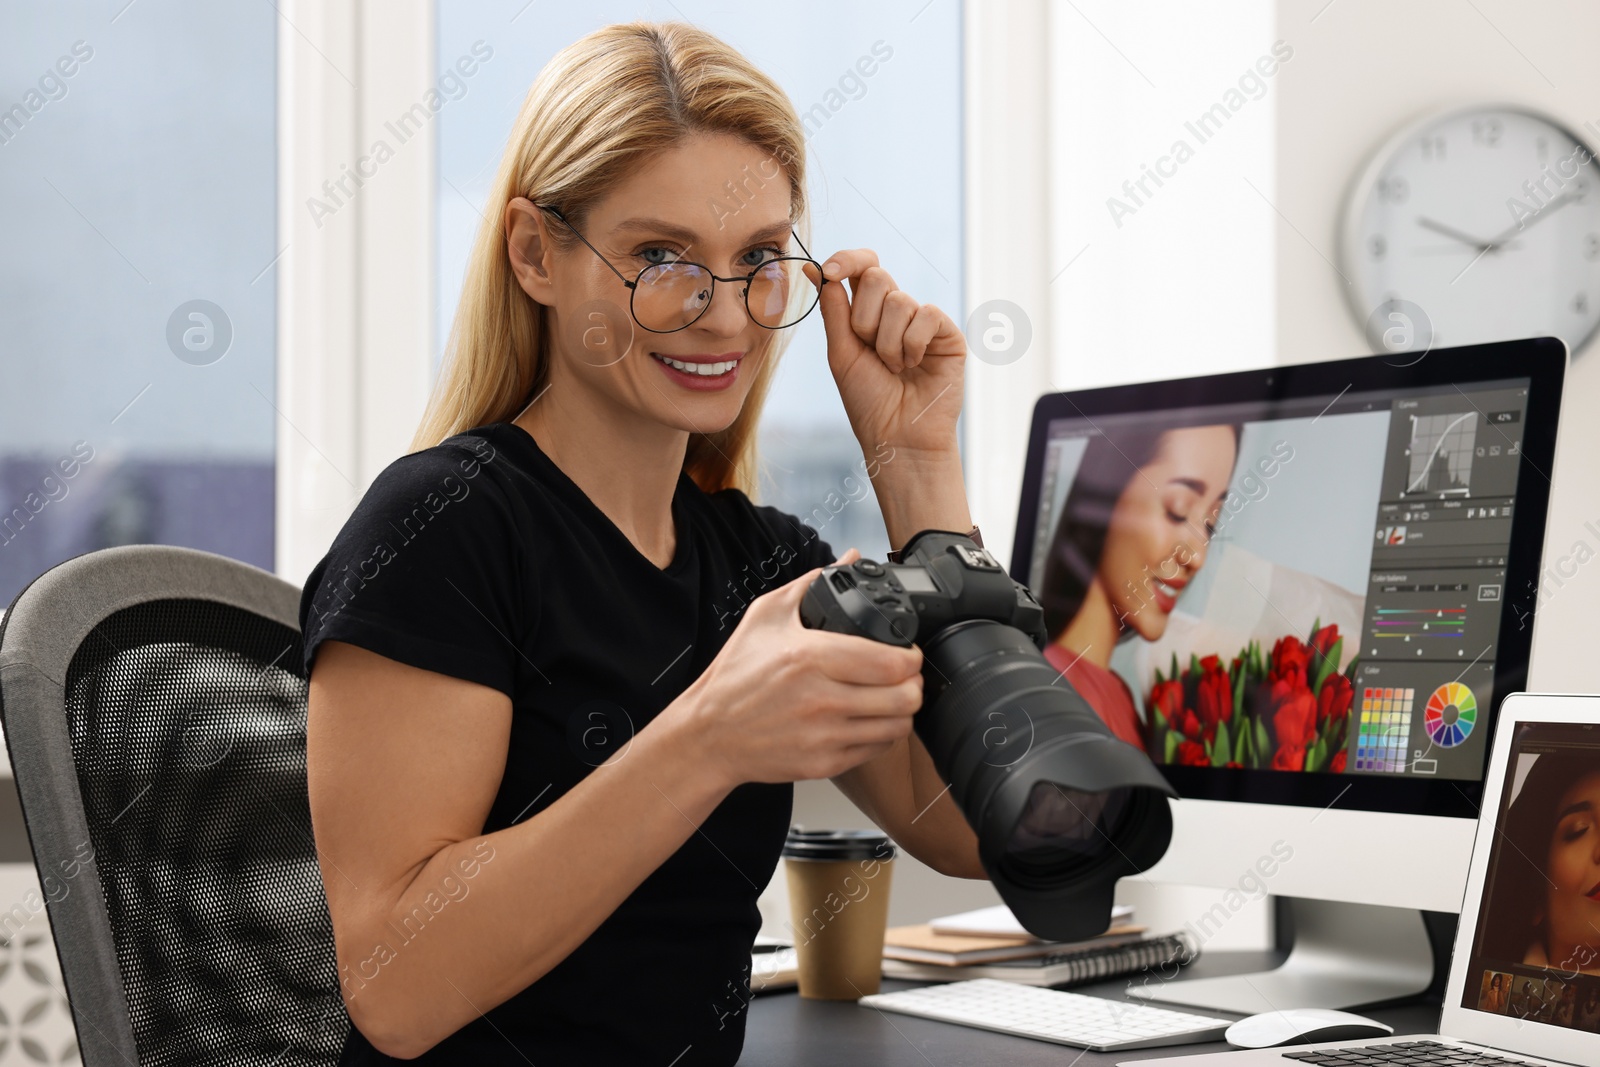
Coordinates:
(781,703)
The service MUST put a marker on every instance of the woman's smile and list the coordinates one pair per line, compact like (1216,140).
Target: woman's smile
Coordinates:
(701,371)
(1166,593)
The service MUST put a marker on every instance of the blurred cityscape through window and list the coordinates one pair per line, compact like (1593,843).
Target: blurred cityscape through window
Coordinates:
(138,169)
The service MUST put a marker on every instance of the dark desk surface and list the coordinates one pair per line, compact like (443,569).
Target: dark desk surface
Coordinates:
(784,1029)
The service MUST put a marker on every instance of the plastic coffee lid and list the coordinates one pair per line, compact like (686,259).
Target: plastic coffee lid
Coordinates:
(838,845)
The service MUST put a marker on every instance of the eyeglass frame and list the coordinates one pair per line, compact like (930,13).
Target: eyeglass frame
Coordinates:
(633,286)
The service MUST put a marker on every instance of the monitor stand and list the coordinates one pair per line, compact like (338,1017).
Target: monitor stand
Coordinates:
(1344,956)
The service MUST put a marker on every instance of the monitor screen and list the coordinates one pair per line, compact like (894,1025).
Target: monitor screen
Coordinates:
(1536,949)
(1312,586)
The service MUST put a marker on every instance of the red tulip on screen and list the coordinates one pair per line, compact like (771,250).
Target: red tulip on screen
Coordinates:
(1167,699)
(1323,640)
(1214,698)
(1289,658)
(1294,714)
(1334,698)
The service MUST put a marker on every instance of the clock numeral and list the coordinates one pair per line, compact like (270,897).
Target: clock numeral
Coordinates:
(1433,147)
(1394,190)
(1378,246)
(1485,131)
(1580,304)
(1591,246)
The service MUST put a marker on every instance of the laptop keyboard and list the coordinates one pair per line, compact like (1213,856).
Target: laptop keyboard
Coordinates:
(1405,1054)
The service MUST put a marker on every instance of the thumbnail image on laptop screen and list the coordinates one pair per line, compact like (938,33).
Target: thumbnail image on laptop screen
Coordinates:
(1303,585)
(1536,950)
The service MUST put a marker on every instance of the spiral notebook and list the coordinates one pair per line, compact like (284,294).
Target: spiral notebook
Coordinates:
(1061,968)
(925,944)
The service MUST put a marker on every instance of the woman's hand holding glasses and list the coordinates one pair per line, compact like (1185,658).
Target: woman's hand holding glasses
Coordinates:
(897,362)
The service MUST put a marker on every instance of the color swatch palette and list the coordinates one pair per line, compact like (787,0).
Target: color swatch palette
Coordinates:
(1385,728)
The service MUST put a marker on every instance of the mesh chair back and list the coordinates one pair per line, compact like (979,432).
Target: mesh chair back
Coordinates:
(154,704)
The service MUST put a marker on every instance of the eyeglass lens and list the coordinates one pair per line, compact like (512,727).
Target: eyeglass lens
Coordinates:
(669,296)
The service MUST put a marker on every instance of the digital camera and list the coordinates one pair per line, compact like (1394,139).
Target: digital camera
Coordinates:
(1061,807)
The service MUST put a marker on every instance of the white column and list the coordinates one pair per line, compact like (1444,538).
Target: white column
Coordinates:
(356,232)
(1007,248)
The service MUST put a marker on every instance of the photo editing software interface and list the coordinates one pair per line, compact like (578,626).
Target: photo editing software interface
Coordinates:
(1536,949)
(1311,585)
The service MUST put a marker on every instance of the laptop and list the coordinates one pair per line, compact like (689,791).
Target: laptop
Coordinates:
(1524,984)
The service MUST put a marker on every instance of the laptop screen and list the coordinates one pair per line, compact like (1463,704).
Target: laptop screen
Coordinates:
(1536,951)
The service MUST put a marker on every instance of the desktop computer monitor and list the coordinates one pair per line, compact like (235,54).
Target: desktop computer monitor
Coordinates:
(1304,591)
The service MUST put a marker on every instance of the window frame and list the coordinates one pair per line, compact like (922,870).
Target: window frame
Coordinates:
(355,297)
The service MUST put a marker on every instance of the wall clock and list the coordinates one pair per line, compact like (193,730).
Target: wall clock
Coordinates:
(1478,224)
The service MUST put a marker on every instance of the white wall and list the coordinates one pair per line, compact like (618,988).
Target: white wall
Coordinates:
(1182,285)
(1362,68)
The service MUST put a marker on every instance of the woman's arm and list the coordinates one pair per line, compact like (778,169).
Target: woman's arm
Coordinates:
(922,491)
(403,765)
(898,364)
(902,792)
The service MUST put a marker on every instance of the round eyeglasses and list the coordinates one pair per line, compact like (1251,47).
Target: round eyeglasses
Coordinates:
(667,297)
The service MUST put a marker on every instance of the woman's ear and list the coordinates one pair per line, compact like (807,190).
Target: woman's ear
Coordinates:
(528,246)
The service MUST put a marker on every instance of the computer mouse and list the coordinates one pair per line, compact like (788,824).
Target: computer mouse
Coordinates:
(1299,1026)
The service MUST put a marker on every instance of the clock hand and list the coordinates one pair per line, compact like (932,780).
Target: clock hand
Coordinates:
(1549,208)
(1450,231)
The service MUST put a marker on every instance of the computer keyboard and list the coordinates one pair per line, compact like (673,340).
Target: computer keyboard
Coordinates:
(1405,1054)
(1050,1015)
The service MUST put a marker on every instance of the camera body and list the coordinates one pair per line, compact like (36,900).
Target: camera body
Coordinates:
(949,579)
(1061,807)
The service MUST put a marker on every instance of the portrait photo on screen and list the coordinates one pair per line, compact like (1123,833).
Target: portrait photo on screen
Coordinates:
(1543,909)
(1494,992)
(1200,578)
(1538,931)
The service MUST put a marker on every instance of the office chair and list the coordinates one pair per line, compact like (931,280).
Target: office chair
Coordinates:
(154,704)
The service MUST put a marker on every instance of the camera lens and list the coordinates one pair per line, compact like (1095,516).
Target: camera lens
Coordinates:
(1062,808)
(1062,825)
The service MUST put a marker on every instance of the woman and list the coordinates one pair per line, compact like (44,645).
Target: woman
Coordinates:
(1566,1004)
(1492,996)
(1589,1010)
(1132,534)
(1545,900)
(563,687)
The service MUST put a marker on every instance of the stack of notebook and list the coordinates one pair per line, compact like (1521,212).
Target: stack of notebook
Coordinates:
(990,943)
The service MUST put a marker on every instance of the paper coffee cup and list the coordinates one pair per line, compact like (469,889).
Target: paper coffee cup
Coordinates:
(838,909)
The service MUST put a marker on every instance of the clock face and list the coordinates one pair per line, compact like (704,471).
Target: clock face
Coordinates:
(1480,225)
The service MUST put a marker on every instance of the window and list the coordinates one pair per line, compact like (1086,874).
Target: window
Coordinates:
(138,168)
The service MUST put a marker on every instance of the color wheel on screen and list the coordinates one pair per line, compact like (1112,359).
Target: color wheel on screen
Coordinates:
(1450,715)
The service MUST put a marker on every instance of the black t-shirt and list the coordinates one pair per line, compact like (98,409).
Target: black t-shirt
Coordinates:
(478,558)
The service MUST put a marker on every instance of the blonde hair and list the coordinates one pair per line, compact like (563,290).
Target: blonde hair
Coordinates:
(593,115)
